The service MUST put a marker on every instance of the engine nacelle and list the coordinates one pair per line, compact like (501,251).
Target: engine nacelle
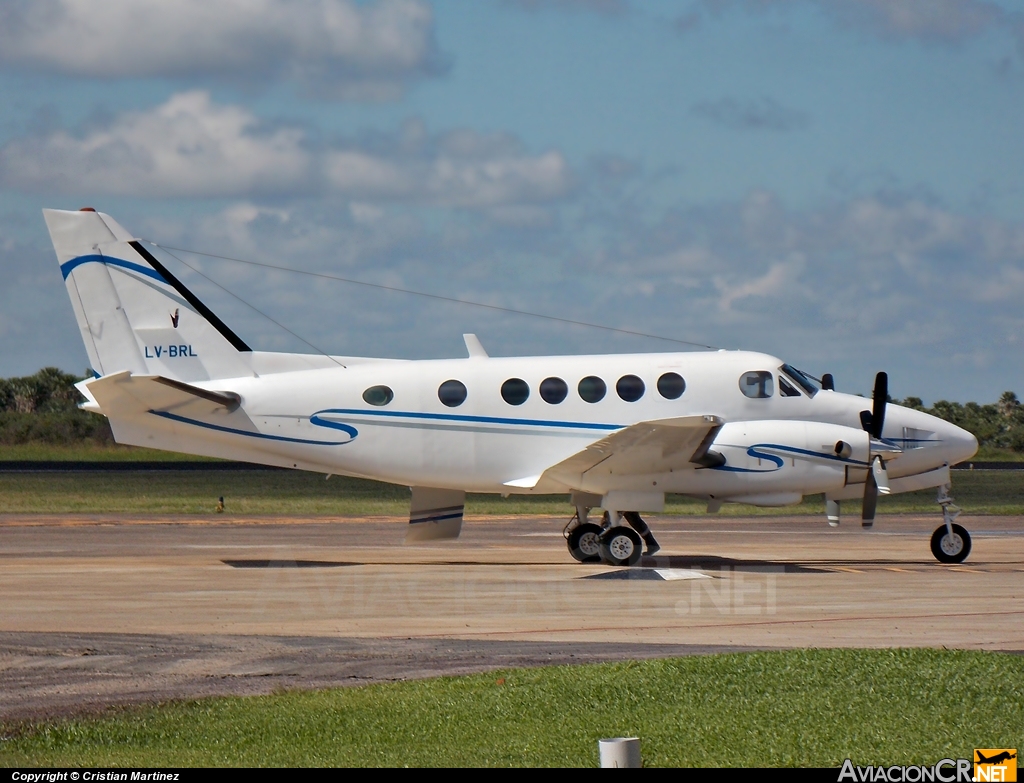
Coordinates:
(780,457)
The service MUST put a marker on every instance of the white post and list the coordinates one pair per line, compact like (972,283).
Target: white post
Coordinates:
(622,752)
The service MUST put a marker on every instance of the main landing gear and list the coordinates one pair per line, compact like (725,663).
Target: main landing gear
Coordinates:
(950,543)
(614,544)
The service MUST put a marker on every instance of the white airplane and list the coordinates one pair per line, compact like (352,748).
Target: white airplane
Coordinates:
(614,432)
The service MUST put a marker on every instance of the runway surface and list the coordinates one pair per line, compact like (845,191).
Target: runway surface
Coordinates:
(100,610)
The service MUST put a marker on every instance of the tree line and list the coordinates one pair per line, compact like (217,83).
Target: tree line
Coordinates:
(43,408)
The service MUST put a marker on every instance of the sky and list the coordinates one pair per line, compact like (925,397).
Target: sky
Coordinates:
(839,183)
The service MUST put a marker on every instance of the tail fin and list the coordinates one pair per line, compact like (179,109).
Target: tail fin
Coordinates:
(133,313)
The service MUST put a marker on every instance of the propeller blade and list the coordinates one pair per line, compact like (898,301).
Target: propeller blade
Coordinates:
(865,421)
(867,514)
(828,383)
(880,475)
(878,399)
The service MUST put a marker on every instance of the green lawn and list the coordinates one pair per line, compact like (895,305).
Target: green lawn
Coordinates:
(793,708)
(298,493)
(88,451)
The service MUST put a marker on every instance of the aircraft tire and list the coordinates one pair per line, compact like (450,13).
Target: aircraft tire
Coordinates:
(583,543)
(620,546)
(953,550)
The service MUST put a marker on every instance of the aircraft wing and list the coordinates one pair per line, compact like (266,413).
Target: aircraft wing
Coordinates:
(655,446)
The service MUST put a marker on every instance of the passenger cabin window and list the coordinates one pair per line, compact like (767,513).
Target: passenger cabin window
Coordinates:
(786,389)
(592,389)
(452,393)
(515,391)
(378,395)
(630,388)
(757,384)
(671,386)
(553,390)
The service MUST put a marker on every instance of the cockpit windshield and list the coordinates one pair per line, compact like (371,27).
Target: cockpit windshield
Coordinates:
(802,379)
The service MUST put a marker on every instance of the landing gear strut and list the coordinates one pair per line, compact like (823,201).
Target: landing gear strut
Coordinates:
(950,543)
(611,542)
(582,537)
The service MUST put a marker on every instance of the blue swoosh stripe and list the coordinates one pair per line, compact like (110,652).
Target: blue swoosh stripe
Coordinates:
(779,462)
(472,419)
(69,266)
(795,450)
(219,428)
(336,425)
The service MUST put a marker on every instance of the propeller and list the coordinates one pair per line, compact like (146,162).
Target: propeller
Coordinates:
(873,421)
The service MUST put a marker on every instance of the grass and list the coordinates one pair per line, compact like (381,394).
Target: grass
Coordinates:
(308,494)
(792,708)
(88,451)
(993,454)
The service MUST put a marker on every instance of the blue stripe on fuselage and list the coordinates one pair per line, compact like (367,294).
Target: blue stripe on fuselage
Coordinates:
(578,425)
(233,431)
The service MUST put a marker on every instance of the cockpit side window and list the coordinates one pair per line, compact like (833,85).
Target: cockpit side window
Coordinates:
(786,389)
(802,379)
(757,384)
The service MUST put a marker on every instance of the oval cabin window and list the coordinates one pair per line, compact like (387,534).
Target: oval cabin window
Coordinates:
(452,393)
(671,386)
(515,391)
(592,389)
(630,388)
(378,395)
(553,390)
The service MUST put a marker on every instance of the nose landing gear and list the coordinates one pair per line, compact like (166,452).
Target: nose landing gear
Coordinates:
(950,543)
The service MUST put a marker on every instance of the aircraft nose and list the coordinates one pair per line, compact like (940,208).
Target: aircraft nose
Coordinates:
(958,443)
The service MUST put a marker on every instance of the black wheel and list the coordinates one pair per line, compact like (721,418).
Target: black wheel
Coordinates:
(583,543)
(951,549)
(620,546)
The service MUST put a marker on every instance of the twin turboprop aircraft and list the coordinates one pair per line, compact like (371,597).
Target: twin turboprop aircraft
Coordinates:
(613,432)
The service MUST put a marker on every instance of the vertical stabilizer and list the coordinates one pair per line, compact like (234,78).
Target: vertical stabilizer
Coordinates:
(132,312)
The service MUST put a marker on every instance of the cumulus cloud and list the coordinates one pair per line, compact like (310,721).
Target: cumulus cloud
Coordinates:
(930,21)
(187,146)
(339,48)
(193,146)
(871,277)
(763,114)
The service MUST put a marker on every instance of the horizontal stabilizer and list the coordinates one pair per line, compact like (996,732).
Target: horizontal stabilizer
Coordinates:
(123,394)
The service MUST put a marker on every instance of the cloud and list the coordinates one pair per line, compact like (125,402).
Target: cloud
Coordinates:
(870,277)
(338,48)
(187,146)
(943,21)
(929,21)
(193,146)
(763,114)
